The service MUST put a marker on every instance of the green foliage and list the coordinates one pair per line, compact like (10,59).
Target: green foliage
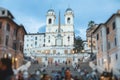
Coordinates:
(78,44)
(91,23)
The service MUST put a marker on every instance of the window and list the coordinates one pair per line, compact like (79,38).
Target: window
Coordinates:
(101,33)
(49,41)
(27,45)
(108,45)
(107,30)
(0,25)
(116,56)
(46,58)
(44,40)
(68,20)
(7,39)
(114,25)
(68,38)
(14,45)
(43,45)
(8,27)
(115,41)
(35,43)
(97,36)
(3,12)
(49,21)
(35,38)
(15,32)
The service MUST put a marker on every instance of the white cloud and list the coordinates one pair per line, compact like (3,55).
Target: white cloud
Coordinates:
(82,33)
(30,23)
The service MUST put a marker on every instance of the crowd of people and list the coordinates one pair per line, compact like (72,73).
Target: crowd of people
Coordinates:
(7,73)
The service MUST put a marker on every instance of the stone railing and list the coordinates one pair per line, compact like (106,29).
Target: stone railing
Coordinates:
(92,65)
(24,67)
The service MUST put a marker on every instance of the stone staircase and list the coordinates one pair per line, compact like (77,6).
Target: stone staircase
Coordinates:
(33,68)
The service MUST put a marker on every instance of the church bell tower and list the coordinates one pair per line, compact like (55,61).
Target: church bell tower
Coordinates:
(50,17)
(69,16)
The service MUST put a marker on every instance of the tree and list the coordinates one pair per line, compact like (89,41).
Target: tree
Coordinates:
(91,23)
(90,26)
(78,44)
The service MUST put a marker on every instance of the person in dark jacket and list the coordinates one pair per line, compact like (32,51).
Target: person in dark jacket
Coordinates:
(6,72)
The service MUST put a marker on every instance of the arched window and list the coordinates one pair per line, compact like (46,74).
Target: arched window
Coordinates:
(68,20)
(50,21)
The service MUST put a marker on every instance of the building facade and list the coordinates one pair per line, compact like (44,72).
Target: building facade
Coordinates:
(11,37)
(108,45)
(90,43)
(57,43)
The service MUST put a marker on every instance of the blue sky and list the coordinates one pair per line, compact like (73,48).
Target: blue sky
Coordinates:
(32,13)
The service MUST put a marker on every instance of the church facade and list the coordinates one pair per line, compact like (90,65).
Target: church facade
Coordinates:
(57,43)
(61,36)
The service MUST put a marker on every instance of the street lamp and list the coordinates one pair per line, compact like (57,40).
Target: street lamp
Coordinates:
(5,55)
(46,51)
(16,59)
(73,51)
(15,62)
